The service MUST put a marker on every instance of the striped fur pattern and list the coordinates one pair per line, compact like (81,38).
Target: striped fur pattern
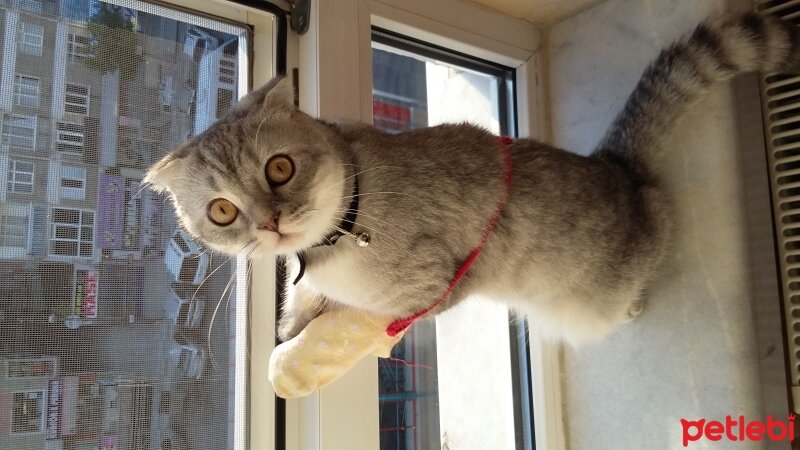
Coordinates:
(575,247)
(680,75)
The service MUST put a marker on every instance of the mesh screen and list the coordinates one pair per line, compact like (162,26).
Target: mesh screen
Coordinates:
(413,91)
(106,331)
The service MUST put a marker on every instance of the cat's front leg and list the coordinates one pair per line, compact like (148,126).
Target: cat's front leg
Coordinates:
(300,307)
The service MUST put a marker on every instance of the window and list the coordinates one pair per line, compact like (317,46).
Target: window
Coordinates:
(72,185)
(27,412)
(335,89)
(20,176)
(84,259)
(13,230)
(26,91)
(30,5)
(77,99)
(70,137)
(78,47)
(19,131)
(227,70)
(30,38)
(31,367)
(224,101)
(72,233)
(417,85)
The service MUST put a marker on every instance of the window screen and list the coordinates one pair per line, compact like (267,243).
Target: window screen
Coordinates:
(417,85)
(106,306)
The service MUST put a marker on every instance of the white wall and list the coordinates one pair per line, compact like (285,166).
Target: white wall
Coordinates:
(696,352)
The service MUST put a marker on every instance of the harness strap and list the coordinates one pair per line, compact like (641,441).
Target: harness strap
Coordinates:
(400,325)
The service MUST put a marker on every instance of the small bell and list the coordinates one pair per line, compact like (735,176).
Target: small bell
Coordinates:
(362,239)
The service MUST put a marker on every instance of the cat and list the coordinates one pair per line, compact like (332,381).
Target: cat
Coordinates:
(574,247)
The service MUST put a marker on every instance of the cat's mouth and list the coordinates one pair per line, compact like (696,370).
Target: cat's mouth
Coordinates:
(285,238)
(277,242)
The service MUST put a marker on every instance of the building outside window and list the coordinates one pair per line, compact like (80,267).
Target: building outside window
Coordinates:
(78,47)
(13,230)
(19,131)
(30,38)
(70,137)
(73,183)
(29,5)
(85,274)
(77,99)
(31,367)
(20,176)
(26,91)
(27,412)
(72,233)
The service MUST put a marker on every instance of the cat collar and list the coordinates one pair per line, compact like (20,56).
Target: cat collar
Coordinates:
(345,228)
(400,325)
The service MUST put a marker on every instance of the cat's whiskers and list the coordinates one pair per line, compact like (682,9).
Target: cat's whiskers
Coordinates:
(199,255)
(212,273)
(141,189)
(369,216)
(382,192)
(240,122)
(360,165)
(372,249)
(327,188)
(374,230)
(249,273)
(229,281)
(214,316)
(258,131)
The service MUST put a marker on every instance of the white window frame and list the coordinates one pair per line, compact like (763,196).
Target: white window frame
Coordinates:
(78,51)
(13,183)
(17,212)
(74,174)
(30,38)
(257,300)
(81,101)
(43,412)
(54,226)
(345,414)
(70,140)
(50,360)
(26,94)
(7,137)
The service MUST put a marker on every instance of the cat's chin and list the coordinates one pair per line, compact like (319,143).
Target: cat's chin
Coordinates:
(283,244)
(289,244)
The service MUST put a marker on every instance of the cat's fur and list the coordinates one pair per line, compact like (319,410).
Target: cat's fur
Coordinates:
(576,245)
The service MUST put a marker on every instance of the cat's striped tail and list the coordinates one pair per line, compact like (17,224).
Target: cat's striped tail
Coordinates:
(715,51)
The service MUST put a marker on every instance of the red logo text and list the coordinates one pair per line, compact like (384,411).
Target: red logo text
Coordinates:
(738,430)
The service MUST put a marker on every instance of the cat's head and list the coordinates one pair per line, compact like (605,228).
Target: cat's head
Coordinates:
(264,176)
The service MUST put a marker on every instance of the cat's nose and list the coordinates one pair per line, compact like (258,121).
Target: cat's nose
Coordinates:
(271,224)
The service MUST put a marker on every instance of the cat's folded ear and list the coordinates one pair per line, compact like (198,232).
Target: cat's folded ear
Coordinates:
(161,176)
(280,95)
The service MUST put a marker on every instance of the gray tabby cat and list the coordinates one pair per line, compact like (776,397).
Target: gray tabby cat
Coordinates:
(578,241)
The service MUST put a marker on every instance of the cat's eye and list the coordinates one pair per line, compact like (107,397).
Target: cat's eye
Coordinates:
(222,212)
(279,170)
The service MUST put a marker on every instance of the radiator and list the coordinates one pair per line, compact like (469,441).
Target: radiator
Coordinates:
(781,107)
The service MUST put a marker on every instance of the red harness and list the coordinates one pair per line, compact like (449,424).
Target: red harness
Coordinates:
(399,325)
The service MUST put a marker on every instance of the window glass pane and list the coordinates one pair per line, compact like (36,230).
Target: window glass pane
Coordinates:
(413,88)
(26,91)
(20,177)
(19,131)
(96,349)
(30,38)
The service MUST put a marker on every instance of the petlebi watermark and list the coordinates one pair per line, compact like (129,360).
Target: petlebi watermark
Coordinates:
(734,429)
